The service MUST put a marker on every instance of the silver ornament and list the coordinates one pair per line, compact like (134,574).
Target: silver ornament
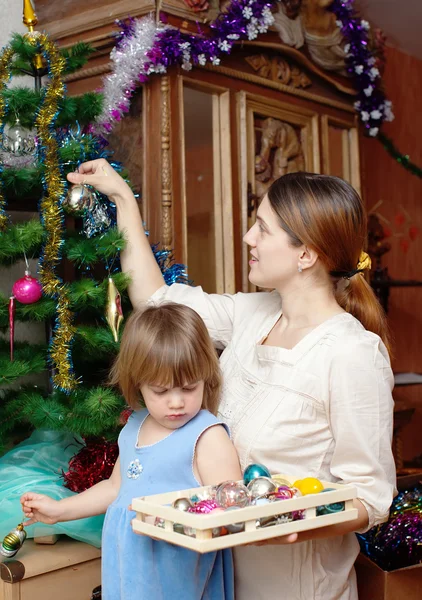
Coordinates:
(79,198)
(234,527)
(18,146)
(261,486)
(182,504)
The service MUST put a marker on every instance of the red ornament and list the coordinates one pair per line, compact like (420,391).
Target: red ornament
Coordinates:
(91,465)
(27,290)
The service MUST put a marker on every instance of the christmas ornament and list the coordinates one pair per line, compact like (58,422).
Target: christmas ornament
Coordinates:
(183,504)
(204,507)
(18,147)
(309,485)
(283,492)
(255,470)
(27,290)
(232,493)
(260,486)
(114,313)
(13,541)
(280,481)
(12,326)
(82,200)
(79,198)
(234,527)
(328,509)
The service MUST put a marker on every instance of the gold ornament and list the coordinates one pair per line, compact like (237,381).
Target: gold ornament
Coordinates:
(13,541)
(79,198)
(114,313)
(29,16)
(364,262)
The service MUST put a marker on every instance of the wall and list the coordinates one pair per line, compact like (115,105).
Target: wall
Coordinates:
(384,179)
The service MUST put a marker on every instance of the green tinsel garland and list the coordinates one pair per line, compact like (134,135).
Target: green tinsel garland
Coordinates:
(402,159)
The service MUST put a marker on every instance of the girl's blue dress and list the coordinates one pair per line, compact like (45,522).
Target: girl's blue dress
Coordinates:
(136,567)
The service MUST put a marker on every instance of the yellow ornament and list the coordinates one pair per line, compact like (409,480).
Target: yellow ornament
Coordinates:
(309,485)
(114,313)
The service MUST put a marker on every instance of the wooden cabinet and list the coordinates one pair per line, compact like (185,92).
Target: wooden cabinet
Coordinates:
(67,570)
(203,145)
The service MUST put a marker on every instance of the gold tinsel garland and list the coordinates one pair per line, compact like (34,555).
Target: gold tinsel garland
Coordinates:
(50,206)
(52,217)
(5,61)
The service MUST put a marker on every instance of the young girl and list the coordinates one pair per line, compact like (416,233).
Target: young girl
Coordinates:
(166,362)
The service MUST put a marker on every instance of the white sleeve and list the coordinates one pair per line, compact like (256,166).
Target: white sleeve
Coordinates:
(217,310)
(361,418)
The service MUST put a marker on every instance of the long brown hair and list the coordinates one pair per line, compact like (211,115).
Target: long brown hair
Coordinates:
(326,214)
(166,345)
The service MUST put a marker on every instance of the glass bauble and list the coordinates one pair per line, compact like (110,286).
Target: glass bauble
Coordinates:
(232,493)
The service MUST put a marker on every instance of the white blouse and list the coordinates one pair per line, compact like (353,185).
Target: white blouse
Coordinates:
(323,409)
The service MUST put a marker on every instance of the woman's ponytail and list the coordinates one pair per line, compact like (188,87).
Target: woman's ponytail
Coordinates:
(358,298)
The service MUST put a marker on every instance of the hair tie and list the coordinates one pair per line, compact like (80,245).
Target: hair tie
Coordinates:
(364,264)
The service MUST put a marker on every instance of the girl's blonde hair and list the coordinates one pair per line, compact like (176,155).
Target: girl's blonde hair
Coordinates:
(325,213)
(166,345)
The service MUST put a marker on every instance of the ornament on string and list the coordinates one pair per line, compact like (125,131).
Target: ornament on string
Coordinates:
(13,541)
(26,290)
(114,312)
(18,146)
(12,310)
(81,200)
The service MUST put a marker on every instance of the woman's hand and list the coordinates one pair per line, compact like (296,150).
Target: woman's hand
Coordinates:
(282,540)
(101,175)
(40,508)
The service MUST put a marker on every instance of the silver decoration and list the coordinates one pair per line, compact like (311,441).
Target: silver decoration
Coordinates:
(128,63)
(182,504)
(261,486)
(18,147)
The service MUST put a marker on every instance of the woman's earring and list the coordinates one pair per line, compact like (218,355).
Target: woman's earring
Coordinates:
(299,268)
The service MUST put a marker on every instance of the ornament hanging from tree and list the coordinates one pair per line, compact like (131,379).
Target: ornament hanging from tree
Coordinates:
(114,312)
(81,200)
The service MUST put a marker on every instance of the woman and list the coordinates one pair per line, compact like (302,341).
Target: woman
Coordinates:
(307,378)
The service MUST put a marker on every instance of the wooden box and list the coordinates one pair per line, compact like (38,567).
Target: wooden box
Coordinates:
(150,507)
(67,570)
(376,584)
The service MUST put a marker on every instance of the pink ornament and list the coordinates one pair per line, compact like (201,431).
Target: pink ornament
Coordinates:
(204,507)
(27,290)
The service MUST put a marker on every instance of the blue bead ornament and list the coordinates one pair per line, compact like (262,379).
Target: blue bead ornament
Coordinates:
(253,471)
(328,509)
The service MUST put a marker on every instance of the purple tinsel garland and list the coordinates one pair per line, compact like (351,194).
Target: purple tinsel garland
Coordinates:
(152,48)
(398,542)
(372,104)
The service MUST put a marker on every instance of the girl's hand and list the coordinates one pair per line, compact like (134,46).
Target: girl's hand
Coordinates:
(40,508)
(101,175)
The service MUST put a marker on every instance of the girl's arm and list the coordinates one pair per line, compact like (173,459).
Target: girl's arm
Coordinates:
(94,501)
(216,459)
(137,258)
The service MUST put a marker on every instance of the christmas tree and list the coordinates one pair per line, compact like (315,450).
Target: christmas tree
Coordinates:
(79,291)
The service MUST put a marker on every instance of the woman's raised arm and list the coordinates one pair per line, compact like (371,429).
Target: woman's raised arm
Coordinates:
(137,258)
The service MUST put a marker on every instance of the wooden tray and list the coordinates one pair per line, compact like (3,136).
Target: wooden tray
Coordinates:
(159,506)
